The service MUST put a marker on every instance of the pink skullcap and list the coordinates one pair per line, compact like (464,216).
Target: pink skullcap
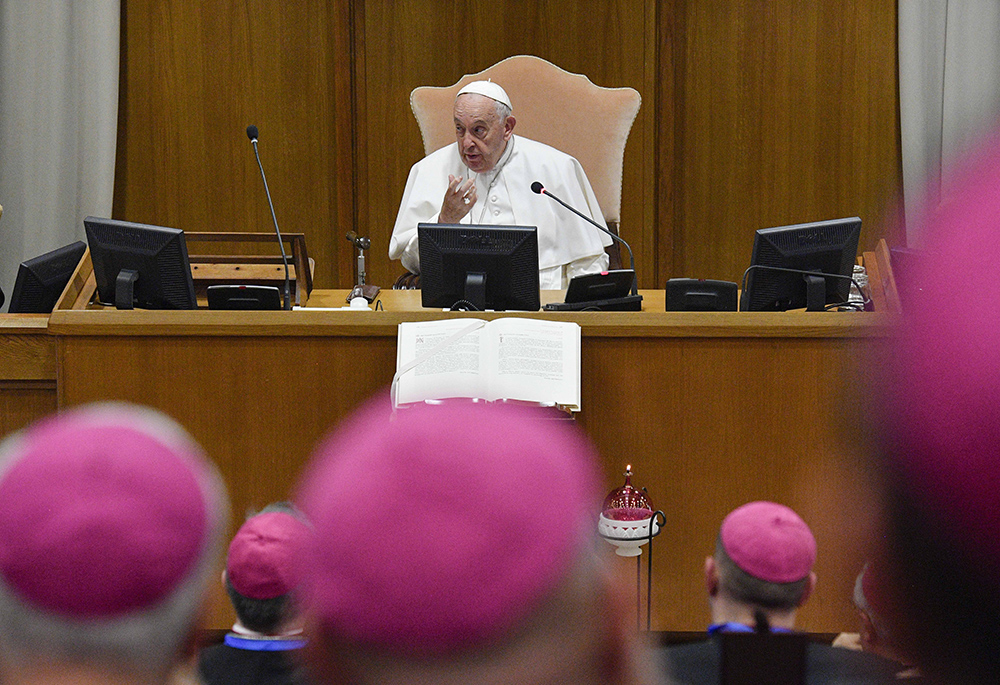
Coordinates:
(263,556)
(445,527)
(102,511)
(943,399)
(769,541)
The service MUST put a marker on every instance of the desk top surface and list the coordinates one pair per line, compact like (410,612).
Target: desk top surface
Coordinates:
(326,315)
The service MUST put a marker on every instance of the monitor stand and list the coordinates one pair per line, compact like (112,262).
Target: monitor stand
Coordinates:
(475,290)
(815,293)
(125,289)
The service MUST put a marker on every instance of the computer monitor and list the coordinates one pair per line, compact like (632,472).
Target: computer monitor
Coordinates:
(41,280)
(137,265)
(466,266)
(803,265)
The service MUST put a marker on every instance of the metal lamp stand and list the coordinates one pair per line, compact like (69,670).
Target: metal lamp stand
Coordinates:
(660,519)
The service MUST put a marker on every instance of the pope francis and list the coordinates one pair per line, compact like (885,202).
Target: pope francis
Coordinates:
(485,177)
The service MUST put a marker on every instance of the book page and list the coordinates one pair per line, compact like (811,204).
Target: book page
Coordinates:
(536,361)
(455,370)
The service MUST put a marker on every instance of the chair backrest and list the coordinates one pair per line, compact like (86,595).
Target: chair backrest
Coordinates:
(552,106)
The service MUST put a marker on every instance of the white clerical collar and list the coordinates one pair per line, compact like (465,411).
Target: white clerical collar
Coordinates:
(243,631)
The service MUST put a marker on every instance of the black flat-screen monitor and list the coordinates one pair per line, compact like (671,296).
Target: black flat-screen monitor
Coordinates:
(477,267)
(137,265)
(40,281)
(804,265)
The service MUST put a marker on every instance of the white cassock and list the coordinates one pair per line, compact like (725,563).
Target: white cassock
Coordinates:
(567,245)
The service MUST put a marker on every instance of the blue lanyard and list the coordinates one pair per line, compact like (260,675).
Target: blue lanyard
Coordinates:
(263,644)
(738,628)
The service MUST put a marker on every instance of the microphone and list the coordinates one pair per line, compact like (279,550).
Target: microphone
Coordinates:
(360,242)
(538,188)
(252,135)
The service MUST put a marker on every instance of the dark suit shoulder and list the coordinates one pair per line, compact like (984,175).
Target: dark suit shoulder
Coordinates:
(848,666)
(697,663)
(691,663)
(225,665)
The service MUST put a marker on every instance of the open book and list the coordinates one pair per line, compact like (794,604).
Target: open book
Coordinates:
(504,359)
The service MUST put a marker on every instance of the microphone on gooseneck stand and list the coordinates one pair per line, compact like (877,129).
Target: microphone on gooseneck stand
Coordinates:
(360,242)
(363,288)
(252,135)
(537,187)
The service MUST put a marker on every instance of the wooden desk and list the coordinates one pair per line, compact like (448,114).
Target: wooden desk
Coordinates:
(27,370)
(712,409)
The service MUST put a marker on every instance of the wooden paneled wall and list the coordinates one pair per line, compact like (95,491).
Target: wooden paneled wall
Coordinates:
(754,114)
(194,76)
(779,112)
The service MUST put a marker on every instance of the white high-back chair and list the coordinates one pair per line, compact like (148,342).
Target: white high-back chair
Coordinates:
(552,106)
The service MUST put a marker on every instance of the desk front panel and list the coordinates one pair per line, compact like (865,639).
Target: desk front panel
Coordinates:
(710,411)
(27,370)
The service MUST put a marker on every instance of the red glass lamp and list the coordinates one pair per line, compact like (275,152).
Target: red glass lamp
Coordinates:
(626,518)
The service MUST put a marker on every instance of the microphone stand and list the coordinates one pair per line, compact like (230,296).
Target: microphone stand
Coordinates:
(632,301)
(252,134)
(540,189)
(369,292)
